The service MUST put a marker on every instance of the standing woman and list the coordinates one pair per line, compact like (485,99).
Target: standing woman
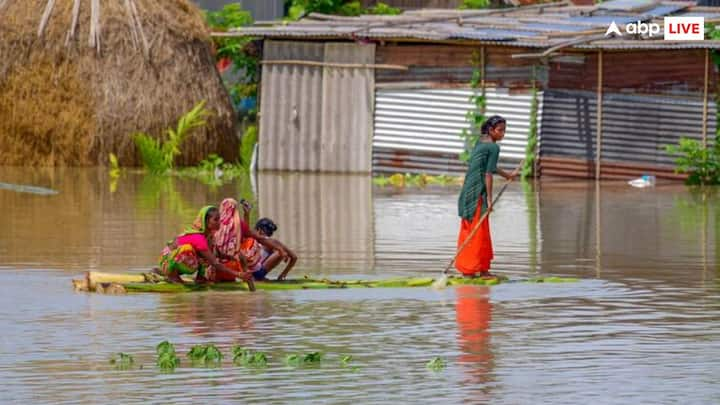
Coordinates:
(476,198)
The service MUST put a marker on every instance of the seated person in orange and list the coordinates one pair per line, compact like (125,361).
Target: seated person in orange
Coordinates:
(263,257)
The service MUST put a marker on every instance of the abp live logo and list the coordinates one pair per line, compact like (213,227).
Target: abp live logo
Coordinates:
(676,29)
(684,28)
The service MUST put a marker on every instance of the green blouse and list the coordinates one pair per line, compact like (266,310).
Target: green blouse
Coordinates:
(483,160)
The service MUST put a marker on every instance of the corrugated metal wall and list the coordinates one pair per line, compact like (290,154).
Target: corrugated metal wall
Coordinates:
(635,131)
(322,216)
(316,118)
(260,9)
(418,130)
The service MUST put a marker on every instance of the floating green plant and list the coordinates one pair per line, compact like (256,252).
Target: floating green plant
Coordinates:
(422,180)
(167,359)
(345,360)
(296,360)
(122,361)
(205,355)
(436,364)
(245,357)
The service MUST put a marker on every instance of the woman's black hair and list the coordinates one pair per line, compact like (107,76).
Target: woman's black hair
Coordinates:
(491,122)
(266,225)
(210,212)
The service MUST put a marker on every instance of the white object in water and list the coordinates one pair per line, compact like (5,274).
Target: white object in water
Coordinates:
(644,181)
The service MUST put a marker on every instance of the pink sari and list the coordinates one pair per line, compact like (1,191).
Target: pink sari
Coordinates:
(227,238)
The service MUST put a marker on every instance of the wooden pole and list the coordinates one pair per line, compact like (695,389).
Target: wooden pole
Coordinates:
(598,123)
(705,98)
(482,79)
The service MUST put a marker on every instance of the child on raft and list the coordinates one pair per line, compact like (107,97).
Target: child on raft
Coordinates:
(232,235)
(261,257)
(476,198)
(192,251)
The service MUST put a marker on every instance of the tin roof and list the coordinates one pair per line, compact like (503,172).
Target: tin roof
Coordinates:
(539,26)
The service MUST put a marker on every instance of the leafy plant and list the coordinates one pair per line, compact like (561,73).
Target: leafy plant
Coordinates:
(247,358)
(167,360)
(701,163)
(214,171)
(122,361)
(476,116)
(475,4)
(206,355)
(436,364)
(416,180)
(531,148)
(247,146)
(158,155)
(383,9)
(115,170)
(296,360)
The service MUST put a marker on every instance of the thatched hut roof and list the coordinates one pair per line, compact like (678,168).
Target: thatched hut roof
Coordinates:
(79,77)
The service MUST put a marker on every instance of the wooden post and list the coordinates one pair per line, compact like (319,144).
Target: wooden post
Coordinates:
(705,98)
(598,122)
(482,78)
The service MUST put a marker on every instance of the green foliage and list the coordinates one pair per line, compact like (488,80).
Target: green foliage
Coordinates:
(436,364)
(295,360)
(122,361)
(114,166)
(245,357)
(158,156)
(701,163)
(531,148)
(400,180)
(300,8)
(230,16)
(214,171)
(476,116)
(247,146)
(383,9)
(468,4)
(167,360)
(205,355)
(345,360)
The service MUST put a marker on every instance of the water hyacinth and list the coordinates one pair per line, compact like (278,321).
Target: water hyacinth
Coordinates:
(205,355)
(122,361)
(436,364)
(245,357)
(167,360)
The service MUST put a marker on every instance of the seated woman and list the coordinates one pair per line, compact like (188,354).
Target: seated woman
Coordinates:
(263,253)
(191,252)
(227,241)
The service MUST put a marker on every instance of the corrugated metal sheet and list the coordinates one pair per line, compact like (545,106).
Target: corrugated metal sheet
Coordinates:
(316,118)
(635,129)
(291,108)
(348,101)
(418,130)
(312,214)
(259,9)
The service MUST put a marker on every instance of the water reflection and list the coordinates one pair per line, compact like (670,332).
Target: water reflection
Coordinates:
(473,315)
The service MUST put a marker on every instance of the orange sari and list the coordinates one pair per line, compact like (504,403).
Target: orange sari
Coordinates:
(476,256)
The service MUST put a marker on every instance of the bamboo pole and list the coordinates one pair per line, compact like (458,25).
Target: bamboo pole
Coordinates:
(598,232)
(336,65)
(73,25)
(482,79)
(705,98)
(45,17)
(598,123)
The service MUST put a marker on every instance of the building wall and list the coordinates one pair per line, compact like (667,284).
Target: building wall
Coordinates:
(650,100)
(261,10)
(453,64)
(315,117)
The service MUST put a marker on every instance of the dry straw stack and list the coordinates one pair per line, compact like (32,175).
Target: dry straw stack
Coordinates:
(79,77)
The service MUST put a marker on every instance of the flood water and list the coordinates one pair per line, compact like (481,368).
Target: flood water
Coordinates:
(642,325)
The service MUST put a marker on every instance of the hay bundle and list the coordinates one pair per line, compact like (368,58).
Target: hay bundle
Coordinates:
(79,77)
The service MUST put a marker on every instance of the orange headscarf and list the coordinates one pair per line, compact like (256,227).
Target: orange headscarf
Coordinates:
(228,236)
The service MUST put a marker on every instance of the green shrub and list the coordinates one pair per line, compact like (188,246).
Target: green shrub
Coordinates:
(158,156)
(700,163)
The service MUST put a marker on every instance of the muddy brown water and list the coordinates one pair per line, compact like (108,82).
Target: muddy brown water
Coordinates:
(641,326)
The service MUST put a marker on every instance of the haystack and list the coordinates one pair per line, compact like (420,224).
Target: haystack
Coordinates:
(79,77)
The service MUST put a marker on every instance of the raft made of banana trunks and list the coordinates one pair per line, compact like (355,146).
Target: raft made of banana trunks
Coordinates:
(114,283)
